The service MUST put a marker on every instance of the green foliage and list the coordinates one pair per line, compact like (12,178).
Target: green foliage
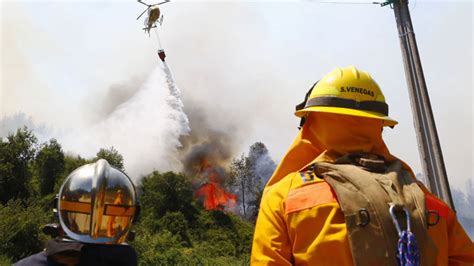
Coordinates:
(175,223)
(168,192)
(4,260)
(71,163)
(20,229)
(15,155)
(49,164)
(112,156)
(173,229)
(215,238)
(223,230)
(157,249)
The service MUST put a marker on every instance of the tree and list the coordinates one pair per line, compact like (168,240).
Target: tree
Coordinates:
(168,192)
(16,152)
(257,150)
(49,164)
(71,163)
(241,173)
(263,164)
(112,156)
(250,173)
(263,167)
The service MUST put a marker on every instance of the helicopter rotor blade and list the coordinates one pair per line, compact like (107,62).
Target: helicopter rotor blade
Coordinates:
(139,1)
(162,2)
(143,13)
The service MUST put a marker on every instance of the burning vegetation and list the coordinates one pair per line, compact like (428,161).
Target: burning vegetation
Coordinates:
(223,181)
(206,155)
(212,193)
(205,163)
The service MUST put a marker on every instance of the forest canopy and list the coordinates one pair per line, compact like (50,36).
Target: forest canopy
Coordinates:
(173,228)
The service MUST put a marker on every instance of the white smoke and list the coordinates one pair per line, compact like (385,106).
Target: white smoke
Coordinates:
(145,129)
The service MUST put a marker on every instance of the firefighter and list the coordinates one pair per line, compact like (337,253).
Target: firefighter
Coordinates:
(339,197)
(96,206)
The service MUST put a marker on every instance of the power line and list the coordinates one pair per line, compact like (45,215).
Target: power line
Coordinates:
(350,3)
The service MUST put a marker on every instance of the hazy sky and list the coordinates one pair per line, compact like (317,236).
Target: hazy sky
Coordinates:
(245,65)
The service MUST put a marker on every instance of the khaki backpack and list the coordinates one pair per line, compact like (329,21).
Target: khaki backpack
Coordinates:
(366,187)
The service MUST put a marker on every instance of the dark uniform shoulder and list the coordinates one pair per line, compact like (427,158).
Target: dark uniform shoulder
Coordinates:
(38,259)
(116,255)
(89,254)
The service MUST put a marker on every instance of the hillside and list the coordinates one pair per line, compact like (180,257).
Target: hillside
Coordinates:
(173,228)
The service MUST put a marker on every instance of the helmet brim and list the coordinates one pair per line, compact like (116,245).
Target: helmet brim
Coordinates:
(387,121)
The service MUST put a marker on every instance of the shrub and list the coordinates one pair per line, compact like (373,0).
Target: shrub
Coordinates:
(176,223)
(20,229)
(168,192)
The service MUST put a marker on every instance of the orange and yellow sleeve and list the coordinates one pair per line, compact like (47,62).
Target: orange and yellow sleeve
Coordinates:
(271,244)
(460,246)
(454,245)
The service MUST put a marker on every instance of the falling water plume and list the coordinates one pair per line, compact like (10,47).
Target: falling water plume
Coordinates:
(146,128)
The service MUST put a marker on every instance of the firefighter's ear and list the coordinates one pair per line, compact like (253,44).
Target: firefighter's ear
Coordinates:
(55,206)
(53,229)
(136,216)
(131,235)
(302,105)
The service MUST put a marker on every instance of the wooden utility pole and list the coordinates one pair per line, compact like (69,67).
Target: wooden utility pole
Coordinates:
(427,136)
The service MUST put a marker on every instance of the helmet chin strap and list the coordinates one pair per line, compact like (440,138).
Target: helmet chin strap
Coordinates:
(303,105)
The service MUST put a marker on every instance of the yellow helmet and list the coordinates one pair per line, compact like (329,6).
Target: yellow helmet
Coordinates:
(97,204)
(347,91)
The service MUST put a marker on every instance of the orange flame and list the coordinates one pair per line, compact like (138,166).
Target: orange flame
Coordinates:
(215,197)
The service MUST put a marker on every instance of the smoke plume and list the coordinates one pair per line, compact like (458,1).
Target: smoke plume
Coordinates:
(116,95)
(206,141)
(144,128)
(206,154)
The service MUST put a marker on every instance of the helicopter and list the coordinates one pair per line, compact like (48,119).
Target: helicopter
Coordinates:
(154,15)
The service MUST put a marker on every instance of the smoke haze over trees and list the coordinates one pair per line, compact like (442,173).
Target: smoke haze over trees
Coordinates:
(146,109)
(464,202)
(173,229)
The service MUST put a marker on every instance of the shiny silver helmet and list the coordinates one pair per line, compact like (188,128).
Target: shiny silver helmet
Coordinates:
(97,204)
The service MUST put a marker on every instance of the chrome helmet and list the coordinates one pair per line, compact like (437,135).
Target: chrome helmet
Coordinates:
(97,204)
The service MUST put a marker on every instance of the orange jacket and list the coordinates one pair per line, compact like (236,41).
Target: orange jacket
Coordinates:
(301,223)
